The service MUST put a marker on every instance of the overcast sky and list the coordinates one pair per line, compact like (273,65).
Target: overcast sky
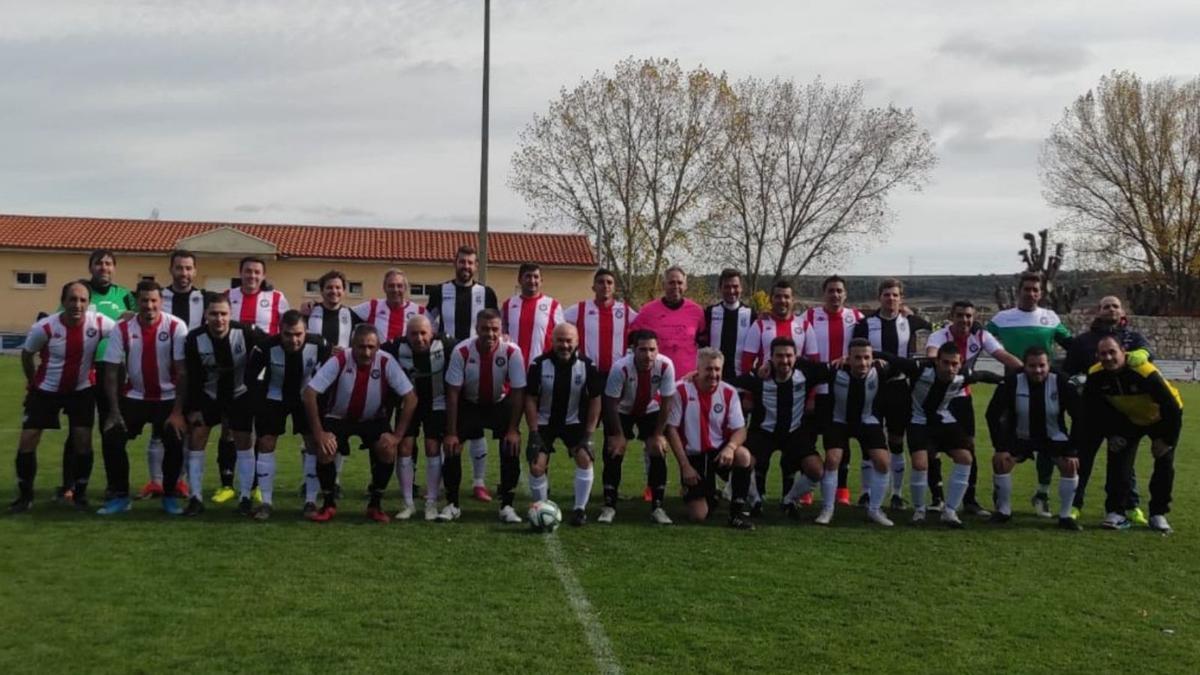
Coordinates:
(367,112)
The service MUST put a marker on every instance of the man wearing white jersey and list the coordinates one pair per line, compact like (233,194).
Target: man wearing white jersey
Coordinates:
(65,344)
(391,314)
(330,319)
(602,322)
(145,354)
(530,316)
(485,390)
(453,307)
(359,383)
(634,396)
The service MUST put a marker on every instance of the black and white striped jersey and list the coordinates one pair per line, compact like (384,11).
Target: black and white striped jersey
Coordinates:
(1021,409)
(426,370)
(216,366)
(335,326)
(779,406)
(726,330)
(563,390)
(281,376)
(897,335)
(453,308)
(188,305)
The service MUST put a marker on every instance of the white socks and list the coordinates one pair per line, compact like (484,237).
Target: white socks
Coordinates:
(433,478)
(154,459)
(829,489)
(897,473)
(265,469)
(877,487)
(404,471)
(478,449)
(1003,484)
(959,478)
(1066,493)
(918,482)
(196,473)
(583,486)
(868,472)
(539,487)
(244,470)
(312,484)
(801,485)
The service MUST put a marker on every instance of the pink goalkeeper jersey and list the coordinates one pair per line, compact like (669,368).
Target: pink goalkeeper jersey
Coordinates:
(677,330)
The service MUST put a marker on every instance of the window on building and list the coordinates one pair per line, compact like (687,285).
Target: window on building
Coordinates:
(312,287)
(30,279)
(356,289)
(418,290)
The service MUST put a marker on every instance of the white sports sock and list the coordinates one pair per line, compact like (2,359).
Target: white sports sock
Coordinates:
(868,471)
(959,477)
(312,484)
(404,471)
(1003,484)
(244,469)
(478,449)
(433,478)
(897,474)
(1066,493)
(801,486)
(583,486)
(264,467)
(918,482)
(154,459)
(196,474)
(877,488)
(829,489)
(539,487)
(338,460)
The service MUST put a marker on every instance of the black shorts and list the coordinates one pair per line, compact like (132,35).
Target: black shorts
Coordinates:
(643,424)
(895,400)
(798,444)
(821,415)
(1028,449)
(474,419)
(937,437)
(238,412)
(138,413)
(271,418)
(869,436)
(42,409)
(368,431)
(963,410)
(705,464)
(572,436)
(433,422)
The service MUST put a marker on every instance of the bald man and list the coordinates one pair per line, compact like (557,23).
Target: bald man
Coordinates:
(563,395)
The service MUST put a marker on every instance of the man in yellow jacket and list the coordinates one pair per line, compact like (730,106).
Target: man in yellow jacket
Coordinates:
(1122,403)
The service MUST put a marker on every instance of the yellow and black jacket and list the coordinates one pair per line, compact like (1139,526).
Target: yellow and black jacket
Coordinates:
(1132,401)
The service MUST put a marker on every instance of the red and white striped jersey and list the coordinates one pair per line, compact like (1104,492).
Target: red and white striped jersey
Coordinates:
(149,354)
(66,352)
(757,347)
(360,393)
(602,330)
(486,378)
(261,309)
(389,321)
(640,392)
(530,322)
(705,420)
(831,335)
(977,341)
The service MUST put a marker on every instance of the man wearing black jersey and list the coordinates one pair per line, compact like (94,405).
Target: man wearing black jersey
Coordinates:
(726,322)
(330,319)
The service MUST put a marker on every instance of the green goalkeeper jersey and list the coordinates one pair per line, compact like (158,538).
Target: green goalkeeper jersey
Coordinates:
(1018,330)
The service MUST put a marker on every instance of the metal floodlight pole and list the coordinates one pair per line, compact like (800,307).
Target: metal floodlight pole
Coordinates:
(483,158)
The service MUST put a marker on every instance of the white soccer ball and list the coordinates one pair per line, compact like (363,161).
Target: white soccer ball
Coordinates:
(544,516)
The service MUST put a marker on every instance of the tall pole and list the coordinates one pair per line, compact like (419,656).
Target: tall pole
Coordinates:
(483,156)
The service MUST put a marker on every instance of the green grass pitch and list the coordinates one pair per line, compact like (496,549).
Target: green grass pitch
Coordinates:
(140,593)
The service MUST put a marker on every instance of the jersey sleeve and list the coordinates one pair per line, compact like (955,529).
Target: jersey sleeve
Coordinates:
(595,382)
(106,325)
(938,338)
(179,341)
(666,388)
(129,300)
(396,378)
(990,344)
(750,348)
(489,298)
(283,303)
(571,314)
(860,330)
(999,415)
(516,369)
(362,310)
(36,338)
(675,411)
(556,315)
(533,379)
(736,419)
(433,307)
(615,385)
(325,376)
(504,317)
(455,370)
(114,352)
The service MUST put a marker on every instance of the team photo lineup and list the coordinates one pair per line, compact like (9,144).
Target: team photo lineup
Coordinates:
(716,391)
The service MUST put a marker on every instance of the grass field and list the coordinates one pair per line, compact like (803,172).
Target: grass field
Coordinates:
(221,594)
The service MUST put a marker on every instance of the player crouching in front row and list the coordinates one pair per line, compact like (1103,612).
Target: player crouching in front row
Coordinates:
(707,432)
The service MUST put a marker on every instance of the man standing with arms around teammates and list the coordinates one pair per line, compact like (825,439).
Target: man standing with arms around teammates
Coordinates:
(1019,328)
(453,307)
(145,357)
(485,389)
(562,402)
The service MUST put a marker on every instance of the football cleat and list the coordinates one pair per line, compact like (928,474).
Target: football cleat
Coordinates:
(806,499)
(1069,524)
(377,515)
(171,506)
(1074,513)
(938,504)
(1137,516)
(20,505)
(607,513)
(1115,521)
(449,512)
(194,508)
(431,511)
(864,499)
(918,516)
(660,517)
(114,506)
(647,495)
(879,518)
(843,496)
(245,507)
(508,515)
(323,514)
(181,489)
(310,508)
(976,509)
(480,494)
(263,512)
(256,495)
(150,490)
(406,513)
(740,521)
(63,495)
(1041,504)
(897,503)
(791,511)
(578,518)
(825,517)
(950,519)
(999,518)
(223,494)
(1159,523)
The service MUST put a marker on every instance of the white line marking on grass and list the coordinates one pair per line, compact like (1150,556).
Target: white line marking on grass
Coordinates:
(593,630)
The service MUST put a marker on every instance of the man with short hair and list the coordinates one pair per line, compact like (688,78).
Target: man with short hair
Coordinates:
(634,396)
(65,344)
(530,316)
(1027,414)
(562,402)
(707,433)
(890,330)
(678,322)
(330,319)
(391,314)
(728,322)
(279,369)
(602,322)
(1121,404)
(360,383)
(485,390)
(145,358)
(424,359)
(833,326)
(1019,328)
(251,303)
(216,354)
(453,307)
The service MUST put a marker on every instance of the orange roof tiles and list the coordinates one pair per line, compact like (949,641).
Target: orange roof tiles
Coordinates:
(293,241)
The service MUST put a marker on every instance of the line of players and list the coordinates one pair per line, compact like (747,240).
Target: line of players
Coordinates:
(341,376)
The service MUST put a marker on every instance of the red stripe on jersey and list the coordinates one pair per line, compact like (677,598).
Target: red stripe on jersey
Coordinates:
(606,335)
(274,313)
(341,359)
(72,358)
(704,399)
(371,313)
(525,328)
(486,362)
(641,400)
(358,395)
(581,327)
(249,311)
(837,336)
(44,352)
(395,322)
(150,384)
